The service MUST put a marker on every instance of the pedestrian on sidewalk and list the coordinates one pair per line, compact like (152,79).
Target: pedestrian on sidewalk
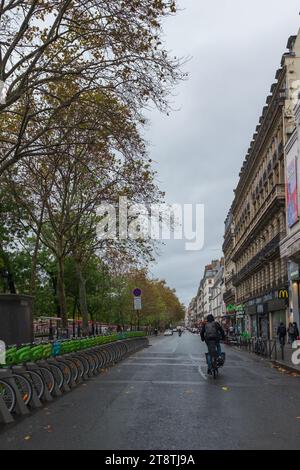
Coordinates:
(296,330)
(281,333)
(291,333)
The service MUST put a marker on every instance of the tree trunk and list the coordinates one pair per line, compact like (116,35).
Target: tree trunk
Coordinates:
(8,274)
(53,285)
(35,255)
(82,297)
(62,292)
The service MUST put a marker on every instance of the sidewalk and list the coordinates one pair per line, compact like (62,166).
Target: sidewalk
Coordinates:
(285,363)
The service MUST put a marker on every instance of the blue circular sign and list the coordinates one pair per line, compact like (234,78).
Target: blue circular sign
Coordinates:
(137,292)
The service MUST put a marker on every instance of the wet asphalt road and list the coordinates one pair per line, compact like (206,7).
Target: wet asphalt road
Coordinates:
(161,399)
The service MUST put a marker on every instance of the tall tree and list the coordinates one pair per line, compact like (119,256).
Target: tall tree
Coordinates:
(102,45)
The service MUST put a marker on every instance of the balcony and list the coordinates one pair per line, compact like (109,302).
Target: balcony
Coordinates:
(228,295)
(274,200)
(268,252)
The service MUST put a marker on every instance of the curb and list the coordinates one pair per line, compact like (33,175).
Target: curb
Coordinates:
(286,366)
(271,361)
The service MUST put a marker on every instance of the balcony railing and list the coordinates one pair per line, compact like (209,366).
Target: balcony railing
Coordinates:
(259,259)
(229,294)
(277,193)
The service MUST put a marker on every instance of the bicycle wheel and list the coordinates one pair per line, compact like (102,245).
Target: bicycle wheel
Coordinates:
(48,378)
(98,358)
(84,361)
(58,375)
(8,395)
(37,382)
(72,368)
(108,356)
(78,364)
(66,370)
(102,358)
(24,387)
(92,361)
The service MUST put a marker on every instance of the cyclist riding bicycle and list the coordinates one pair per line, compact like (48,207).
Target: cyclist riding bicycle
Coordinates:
(212,333)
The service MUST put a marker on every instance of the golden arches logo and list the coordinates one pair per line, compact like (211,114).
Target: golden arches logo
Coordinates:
(283,294)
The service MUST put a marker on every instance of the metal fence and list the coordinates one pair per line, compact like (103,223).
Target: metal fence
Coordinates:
(268,348)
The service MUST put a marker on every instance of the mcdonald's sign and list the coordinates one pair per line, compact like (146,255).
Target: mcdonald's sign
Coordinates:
(283,294)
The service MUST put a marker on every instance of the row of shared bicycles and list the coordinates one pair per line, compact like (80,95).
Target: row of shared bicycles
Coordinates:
(36,373)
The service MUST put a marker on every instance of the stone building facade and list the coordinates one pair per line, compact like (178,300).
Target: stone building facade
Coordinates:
(258,213)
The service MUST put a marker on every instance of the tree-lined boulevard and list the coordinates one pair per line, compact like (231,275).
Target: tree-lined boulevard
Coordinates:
(160,398)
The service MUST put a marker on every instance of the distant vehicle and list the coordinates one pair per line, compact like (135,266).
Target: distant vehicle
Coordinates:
(174,330)
(168,333)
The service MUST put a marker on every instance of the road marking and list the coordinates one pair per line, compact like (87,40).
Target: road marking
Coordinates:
(202,373)
(186,364)
(199,368)
(155,382)
(218,384)
(161,358)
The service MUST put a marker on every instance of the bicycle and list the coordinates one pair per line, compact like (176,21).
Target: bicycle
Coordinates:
(58,365)
(23,380)
(40,377)
(8,395)
(216,361)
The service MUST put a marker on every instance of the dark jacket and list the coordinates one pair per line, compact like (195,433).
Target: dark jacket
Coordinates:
(220,331)
(281,331)
(296,329)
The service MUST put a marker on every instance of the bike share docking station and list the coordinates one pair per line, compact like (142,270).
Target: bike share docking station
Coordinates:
(36,374)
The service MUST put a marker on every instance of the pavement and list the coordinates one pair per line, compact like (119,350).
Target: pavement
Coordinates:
(161,399)
(279,360)
(287,358)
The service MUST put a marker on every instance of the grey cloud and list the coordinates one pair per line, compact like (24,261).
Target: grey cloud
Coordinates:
(236,49)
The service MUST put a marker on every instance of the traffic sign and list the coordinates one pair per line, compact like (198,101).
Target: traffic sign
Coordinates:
(137,303)
(137,292)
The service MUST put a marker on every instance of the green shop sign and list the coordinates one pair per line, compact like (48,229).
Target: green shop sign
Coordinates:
(235,308)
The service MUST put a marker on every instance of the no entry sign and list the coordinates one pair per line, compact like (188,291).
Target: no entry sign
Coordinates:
(137,292)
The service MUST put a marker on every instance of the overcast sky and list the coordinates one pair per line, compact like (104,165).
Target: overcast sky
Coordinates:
(236,48)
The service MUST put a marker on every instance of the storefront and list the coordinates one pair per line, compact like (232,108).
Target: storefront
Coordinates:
(258,320)
(277,313)
(229,323)
(266,313)
(251,315)
(294,297)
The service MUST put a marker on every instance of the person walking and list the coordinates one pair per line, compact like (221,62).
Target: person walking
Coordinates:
(281,333)
(296,330)
(291,333)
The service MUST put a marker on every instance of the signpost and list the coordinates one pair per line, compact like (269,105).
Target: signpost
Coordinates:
(137,303)
(137,292)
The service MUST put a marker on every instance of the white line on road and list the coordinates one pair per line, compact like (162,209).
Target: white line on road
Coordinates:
(232,386)
(154,382)
(186,364)
(199,368)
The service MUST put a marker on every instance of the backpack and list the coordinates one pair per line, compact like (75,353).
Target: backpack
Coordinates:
(211,331)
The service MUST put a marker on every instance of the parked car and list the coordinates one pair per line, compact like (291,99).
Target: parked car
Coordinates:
(168,333)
